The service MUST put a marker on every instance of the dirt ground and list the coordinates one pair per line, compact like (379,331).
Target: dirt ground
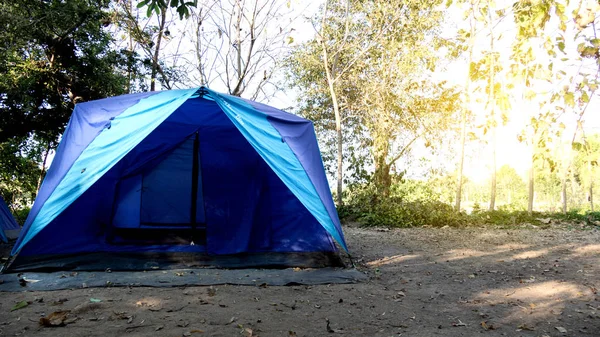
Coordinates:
(422,282)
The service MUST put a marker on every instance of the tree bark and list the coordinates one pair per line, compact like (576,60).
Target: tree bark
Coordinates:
(381,177)
(591,187)
(530,187)
(43,172)
(338,128)
(336,111)
(463,126)
(129,4)
(491,102)
(493,185)
(461,161)
(563,187)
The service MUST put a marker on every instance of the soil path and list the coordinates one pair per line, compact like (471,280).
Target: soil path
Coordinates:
(423,282)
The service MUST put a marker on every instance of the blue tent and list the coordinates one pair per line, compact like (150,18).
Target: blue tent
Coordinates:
(7,221)
(182,171)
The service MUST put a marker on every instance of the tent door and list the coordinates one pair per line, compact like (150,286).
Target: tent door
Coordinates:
(172,191)
(170,198)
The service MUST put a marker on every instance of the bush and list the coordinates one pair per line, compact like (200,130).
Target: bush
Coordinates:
(396,211)
(503,218)
(21,215)
(413,204)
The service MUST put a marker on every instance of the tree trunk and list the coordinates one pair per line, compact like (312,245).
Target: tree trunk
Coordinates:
(591,196)
(563,198)
(493,185)
(336,111)
(236,91)
(461,160)
(340,159)
(162,20)
(591,187)
(43,172)
(530,199)
(463,127)
(381,177)
(338,128)
(491,102)
(130,48)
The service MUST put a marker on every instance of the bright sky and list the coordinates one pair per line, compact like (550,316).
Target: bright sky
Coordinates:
(509,151)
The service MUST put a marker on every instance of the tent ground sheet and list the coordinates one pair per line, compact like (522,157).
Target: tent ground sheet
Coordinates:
(177,277)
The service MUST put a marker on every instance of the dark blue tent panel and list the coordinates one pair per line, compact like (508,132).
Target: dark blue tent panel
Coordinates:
(217,175)
(8,224)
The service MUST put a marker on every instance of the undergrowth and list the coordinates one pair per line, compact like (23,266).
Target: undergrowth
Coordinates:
(418,208)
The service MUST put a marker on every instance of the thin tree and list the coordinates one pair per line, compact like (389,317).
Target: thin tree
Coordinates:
(239,45)
(492,104)
(465,111)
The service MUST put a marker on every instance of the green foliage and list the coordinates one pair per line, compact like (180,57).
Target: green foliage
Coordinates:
(53,54)
(414,203)
(21,214)
(182,6)
(577,215)
(381,62)
(19,172)
(411,204)
(502,217)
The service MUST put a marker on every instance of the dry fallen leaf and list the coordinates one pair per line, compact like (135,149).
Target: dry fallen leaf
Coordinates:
(488,326)
(525,327)
(56,318)
(329,329)
(561,329)
(460,323)
(211,291)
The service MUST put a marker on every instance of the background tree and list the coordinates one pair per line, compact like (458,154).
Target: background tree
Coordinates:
(466,43)
(151,38)
(53,54)
(238,45)
(586,163)
(335,52)
(19,173)
(511,188)
(391,52)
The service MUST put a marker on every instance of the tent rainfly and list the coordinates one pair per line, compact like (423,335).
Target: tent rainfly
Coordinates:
(181,177)
(9,227)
